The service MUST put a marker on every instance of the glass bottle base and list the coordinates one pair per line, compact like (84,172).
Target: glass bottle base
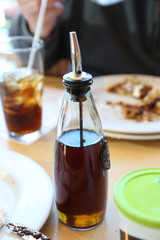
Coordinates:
(81,222)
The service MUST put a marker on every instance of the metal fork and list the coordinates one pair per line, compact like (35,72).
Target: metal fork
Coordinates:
(24,232)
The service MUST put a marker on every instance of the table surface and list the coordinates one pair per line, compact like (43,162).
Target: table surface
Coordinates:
(126,156)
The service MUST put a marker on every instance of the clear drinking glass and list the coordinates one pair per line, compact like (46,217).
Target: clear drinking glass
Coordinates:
(21,87)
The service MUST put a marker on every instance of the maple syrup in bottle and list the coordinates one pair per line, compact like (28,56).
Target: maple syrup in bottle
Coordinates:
(81,156)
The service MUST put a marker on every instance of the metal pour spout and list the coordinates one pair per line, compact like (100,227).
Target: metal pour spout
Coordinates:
(75,55)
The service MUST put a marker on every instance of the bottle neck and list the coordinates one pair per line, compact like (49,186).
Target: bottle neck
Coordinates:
(78,94)
(78,112)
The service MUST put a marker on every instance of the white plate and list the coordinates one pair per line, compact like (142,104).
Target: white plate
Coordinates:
(131,136)
(26,191)
(111,117)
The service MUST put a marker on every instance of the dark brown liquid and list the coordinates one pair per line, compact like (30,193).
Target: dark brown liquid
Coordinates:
(81,182)
(26,120)
(22,106)
(125,236)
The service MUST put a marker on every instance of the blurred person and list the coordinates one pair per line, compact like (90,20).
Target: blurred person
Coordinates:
(119,38)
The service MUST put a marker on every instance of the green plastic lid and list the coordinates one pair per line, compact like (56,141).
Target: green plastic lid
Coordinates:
(137,196)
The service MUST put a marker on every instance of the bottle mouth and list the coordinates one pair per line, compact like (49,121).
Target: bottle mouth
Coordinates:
(77,82)
(83,81)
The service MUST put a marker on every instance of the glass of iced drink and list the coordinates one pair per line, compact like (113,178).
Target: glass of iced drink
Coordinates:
(21,87)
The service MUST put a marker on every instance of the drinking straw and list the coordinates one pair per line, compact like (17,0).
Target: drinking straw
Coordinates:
(37,33)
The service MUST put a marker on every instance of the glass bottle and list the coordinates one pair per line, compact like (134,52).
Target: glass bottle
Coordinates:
(81,152)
